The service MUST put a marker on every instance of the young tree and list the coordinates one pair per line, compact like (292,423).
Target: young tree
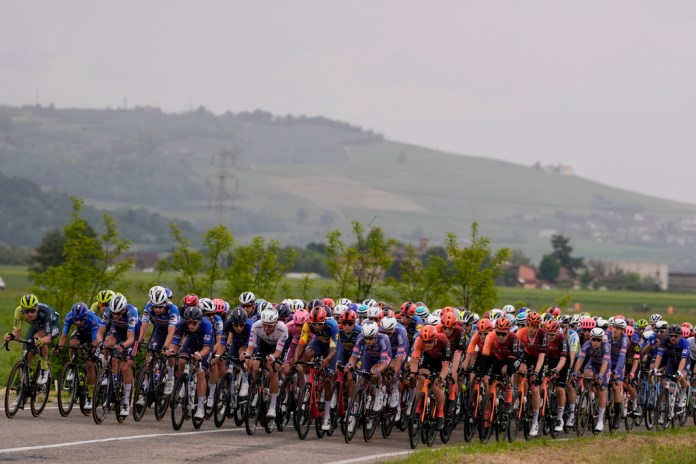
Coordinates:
(419,282)
(218,243)
(562,250)
(187,262)
(549,268)
(474,270)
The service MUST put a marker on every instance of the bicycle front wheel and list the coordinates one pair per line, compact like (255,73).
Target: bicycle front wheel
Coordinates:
(15,390)
(179,402)
(582,422)
(663,409)
(102,396)
(142,393)
(222,400)
(67,388)
(41,393)
(353,413)
(303,411)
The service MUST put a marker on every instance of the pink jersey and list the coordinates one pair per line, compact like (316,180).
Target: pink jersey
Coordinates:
(294,333)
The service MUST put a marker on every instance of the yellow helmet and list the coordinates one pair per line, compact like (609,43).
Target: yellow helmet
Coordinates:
(105,296)
(29,301)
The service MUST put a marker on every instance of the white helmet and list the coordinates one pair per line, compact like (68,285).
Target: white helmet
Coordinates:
(269,316)
(247,297)
(437,312)
(602,323)
(344,301)
(158,295)
(339,310)
(509,309)
(432,319)
(596,333)
(662,325)
(388,324)
(369,329)
(369,302)
(296,305)
(287,301)
(495,313)
(619,323)
(373,312)
(118,304)
(206,305)
(647,334)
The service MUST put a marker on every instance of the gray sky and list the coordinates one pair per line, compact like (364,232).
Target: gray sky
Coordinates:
(606,87)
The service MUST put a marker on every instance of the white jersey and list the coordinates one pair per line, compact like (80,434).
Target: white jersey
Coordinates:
(278,337)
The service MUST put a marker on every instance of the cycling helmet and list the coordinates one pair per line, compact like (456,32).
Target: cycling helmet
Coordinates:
(362,311)
(596,333)
(554,311)
(369,302)
(317,315)
(661,325)
(349,316)
(409,308)
(283,312)
(437,312)
(428,333)
(484,326)
(523,309)
(269,316)
(647,334)
(564,319)
(641,324)
(629,331)
(602,323)
(687,325)
(238,316)
(247,298)
(631,322)
(105,296)
(446,309)
(297,304)
(686,332)
(575,321)
(207,306)
(449,320)
(118,304)
(169,293)
(611,320)
(387,324)
(219,304)
(547,317)
(353,307)
(619,323)
(422,312)
(370,329)
(587,323)
(79,310)
(521,319)
(654,318)
(534,319)
(552,326)
(468,318)
(300,317)
(339,310)
(193,313)
(475,318)
(158,295)
(328,302)
(509,309)
(503,324)
(262,305)
(432,319)
(495,312)
(675,330)
(191,300)
(28,301)
(344,301)
(314,304)
(374,312)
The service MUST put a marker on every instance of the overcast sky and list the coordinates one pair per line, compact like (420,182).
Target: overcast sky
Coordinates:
(606,87)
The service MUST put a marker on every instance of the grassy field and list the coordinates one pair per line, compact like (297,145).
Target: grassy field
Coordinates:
(671,446)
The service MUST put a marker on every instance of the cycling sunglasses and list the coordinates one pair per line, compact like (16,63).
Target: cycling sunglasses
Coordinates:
(596,339)
(29,310)
(501,334)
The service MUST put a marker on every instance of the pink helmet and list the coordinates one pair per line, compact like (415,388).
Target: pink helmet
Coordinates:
(300,317)
(587,323)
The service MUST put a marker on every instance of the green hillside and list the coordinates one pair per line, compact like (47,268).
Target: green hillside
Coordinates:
(295,178)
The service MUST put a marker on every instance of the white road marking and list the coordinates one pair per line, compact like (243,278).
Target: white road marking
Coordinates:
(104,440)
(372,457)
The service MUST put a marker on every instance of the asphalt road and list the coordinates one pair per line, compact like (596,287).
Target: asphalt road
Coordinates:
(77,438)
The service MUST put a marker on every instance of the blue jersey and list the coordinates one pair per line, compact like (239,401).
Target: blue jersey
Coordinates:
(217,325)
(169,317)
(348,341)
(673,352)
(618,351)
(128,322)
(237,339)
(413,329)
(398,342)
(596,356)
(376,352)
(90,324)
(202,336)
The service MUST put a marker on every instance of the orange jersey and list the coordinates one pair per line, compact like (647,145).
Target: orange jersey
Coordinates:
(501,350)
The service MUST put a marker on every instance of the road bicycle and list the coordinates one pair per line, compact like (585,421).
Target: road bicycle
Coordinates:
(183,400)
(421,423)
(21,384)
(227,403)
(72,382)
(149,388)
(108,391)
(310,401)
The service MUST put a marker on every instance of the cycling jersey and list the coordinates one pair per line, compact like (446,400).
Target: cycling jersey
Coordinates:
(233,340)
(457,338)
(602,354)
(276,338)
(476,343)
(619,346)
(532,346)
(46,319)
(169,317)
(440,351)
(202,336)
(90,325)
(328,334)
(346,343)
(632,353)
(377,352)
(398,342)
(673,351)
(508,349)
(558,347)
(692,349)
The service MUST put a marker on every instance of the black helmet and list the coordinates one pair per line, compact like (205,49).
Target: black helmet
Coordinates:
(313,304)
(193,313)
(675,330)
(238,316)
(284,312)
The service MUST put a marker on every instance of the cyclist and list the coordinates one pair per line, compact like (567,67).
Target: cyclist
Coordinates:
(449,325)
(209,310)
(619,346)
(294,333)
(104,297)
(641,326)
(398,341)
(197,333)
(533,343)
(348,331)
(632,364)
(435,350)
(556,357)
(247,301)
(598,352)
(672,355)
(267,340)
(164,317)
(124,327)
(411,322)
(86,327)
(372,349)
(500,354)
(235,338)
(570,328)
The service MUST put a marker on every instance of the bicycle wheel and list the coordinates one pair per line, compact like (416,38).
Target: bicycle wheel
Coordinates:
(447,429)
(582,421)
(630,420)
(552,414)
(179,402)
(527,417)
(663,409)
(41,393)
(303,411)
(252,408)
(428,431)
(388,420)
(650,408)
(692,403)
(102,396)
(406,399)
(515,416)
(283,405)
(120,398)
(353,413)
(486,423)
(221,403)
(414,423)
(471,416)
(682,414)
(15,390)
(141,395)
(370,419)
(67,389)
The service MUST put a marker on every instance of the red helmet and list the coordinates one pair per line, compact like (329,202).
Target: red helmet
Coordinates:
(552,325)
(328,302)
(448,320)
(533,318)
(446,310)
(503,324)
(408,308)
(349,316)
(219,305)
(191,300)
(389,313)
(484,325)
(317,315)
(428,333)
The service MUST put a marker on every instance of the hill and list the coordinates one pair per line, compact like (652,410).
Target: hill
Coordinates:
(294,178)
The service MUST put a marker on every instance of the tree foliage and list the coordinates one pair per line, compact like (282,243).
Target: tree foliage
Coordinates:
(562,251)
(418,281)
(186,262)
(549,268)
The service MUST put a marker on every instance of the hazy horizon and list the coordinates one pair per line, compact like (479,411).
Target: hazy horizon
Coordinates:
(606,88)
